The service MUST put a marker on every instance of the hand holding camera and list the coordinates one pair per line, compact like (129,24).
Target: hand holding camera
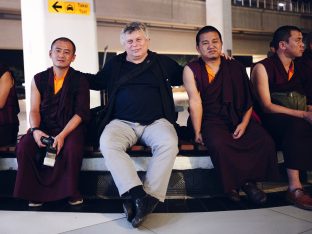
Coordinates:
(37,134)
(49,159)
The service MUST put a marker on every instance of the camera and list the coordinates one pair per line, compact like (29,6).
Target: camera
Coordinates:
(49,159)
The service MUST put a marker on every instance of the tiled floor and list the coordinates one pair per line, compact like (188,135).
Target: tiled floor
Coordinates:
(193,216)
(283,220)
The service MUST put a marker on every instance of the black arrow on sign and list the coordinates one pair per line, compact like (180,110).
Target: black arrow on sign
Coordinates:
(55,6)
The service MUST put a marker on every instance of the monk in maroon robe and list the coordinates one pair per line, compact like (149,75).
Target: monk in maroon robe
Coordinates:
(59,108)
(220,109)
(9,108)
(289,125)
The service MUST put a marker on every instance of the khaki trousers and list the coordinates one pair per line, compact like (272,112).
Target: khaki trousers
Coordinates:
(161,136)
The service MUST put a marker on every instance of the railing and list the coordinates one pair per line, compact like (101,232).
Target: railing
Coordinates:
(298,6)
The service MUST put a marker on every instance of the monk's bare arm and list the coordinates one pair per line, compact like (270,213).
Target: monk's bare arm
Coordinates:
(34,114)
(195,102)
(247,116)
(260,80)
(6,83)
(70,126)
(241,128)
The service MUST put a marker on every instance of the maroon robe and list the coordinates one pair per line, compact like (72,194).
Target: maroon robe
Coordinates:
(225,100)
(9,122)
(304,65)
(292,135)
(34,181)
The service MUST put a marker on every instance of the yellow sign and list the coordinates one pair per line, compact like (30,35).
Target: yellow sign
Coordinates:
(76,8)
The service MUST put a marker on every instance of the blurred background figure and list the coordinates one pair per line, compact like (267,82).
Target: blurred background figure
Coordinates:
(9,107)
(271,51)
(305,66)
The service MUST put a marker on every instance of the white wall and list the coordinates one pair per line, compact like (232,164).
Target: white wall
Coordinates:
(162,40)
(175,23)
(41,27)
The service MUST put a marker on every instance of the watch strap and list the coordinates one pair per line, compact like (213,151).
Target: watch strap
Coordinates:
(34,129)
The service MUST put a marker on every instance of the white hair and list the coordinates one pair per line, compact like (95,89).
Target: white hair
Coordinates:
(131,27)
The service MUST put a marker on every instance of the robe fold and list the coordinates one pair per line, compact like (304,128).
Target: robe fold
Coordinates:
(304,65)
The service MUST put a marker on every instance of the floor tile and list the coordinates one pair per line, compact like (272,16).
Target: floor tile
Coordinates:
(295,212)
(119,226)
(243,222)
(307,232)
(49,222)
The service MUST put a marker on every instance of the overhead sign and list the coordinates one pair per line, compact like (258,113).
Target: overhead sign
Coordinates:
(64,7)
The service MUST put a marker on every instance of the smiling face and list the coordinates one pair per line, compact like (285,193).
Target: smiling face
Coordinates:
(136,45)
(209,46)
(62,54)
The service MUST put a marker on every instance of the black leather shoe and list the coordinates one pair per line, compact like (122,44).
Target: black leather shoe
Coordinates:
(143,207)
(254,194)
(128,209)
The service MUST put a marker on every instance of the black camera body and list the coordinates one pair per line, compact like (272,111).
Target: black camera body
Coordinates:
(49,159)
(47,141)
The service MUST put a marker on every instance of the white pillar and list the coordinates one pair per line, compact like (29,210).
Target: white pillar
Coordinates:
(45,20)
(219,15)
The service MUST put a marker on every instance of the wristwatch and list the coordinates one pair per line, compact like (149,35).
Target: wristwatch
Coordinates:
(33,129)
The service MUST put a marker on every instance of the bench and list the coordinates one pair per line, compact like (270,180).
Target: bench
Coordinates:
(192,174)
(191,156)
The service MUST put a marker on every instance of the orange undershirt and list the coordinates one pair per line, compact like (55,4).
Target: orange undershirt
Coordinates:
(58,83)
(291,70)
(211,74)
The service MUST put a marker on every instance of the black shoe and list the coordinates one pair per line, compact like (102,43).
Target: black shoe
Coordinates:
(143,207)
(128,208)
(254,194)
(233,195)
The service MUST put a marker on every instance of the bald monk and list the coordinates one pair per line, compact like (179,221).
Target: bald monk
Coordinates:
(220,109)
(59,108)
(290,125)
